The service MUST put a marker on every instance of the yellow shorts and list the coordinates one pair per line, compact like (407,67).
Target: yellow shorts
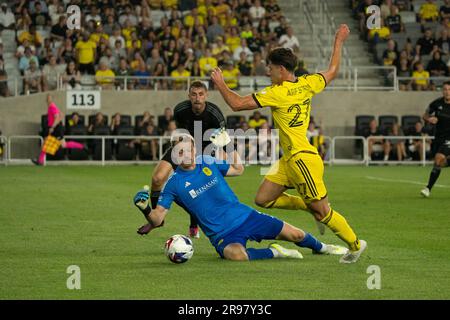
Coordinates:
(304,172)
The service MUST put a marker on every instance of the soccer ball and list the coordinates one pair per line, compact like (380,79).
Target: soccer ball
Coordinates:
(179,248)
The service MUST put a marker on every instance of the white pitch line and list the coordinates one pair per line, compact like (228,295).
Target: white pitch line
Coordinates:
(405,181)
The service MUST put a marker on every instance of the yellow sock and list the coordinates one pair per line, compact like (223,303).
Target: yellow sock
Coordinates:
(342,229)
(287,201)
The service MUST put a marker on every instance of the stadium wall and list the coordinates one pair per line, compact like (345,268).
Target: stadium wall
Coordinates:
(335,111)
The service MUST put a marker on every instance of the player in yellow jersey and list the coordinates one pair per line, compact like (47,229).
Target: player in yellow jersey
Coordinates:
(300,167)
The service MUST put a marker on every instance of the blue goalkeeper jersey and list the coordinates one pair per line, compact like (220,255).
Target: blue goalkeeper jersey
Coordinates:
(205,194)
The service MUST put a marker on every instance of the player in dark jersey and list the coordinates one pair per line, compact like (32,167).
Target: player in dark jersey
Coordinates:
(186,115)
(438,114)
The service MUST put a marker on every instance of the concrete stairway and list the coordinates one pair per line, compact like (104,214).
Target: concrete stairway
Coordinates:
(357,49)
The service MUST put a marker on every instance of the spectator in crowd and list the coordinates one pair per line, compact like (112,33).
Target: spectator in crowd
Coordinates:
(86,54)
(428,11)
(114,130)
(32,36)
(7,19)
(143,82)
(159,71)
(74,121)
(257,11)
(207,63)
(4,90)
(394,20)
(377,144)
(316,138)
(425,44)
(420,78)
(93,15)
(257,120)
(67,52)
(214,30)
(20,52)
(398,145)
(390,54)
(163,122)
(150,130)
(273,10)
(416,146)
(147,119)
(259,66)
(180,75)
(170,129)
(231,75)
(154,59)
(59,30)
(123,71)
(104,76)
(116,36)
(99,122)
(33,78)
(436,67)
(444,10)
(385,8)
(404,71)
(50,74)
(242,48)
(40,18)
(245,66)
(289,40)
(443,42)
(71,77)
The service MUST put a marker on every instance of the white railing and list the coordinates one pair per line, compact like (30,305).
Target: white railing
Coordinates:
(4,145)
(332,146)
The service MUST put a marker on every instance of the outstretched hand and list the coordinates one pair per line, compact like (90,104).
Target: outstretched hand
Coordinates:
(217,76)
(342,33)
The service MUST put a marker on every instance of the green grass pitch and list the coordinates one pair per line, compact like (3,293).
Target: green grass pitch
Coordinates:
(54,217)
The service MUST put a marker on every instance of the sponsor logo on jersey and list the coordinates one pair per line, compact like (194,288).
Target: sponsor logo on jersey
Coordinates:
(195,193)
(187,184)
(207,171)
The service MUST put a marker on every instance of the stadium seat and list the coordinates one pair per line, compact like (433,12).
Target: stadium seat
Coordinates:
(409,122)
(385,122)
(137,119)
(76,154)
(124,151)
(362,124)
(125,120)
(97,144)
(82,119)
(91,119)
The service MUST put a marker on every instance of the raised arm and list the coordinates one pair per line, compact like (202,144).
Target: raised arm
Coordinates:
(236,166)
(339,39)
(234,100)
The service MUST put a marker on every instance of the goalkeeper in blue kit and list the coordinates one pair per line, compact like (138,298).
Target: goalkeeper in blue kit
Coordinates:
(198,185)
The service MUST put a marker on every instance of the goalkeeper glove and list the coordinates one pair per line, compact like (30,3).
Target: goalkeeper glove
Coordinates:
(141,200)
(220,137)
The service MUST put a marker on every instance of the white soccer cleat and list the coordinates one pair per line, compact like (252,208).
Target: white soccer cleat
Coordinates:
(353,256)
(285,253)
(335,250)
(425,192)
(321,227)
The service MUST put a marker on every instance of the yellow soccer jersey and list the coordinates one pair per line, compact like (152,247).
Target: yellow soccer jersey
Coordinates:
(291,107)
